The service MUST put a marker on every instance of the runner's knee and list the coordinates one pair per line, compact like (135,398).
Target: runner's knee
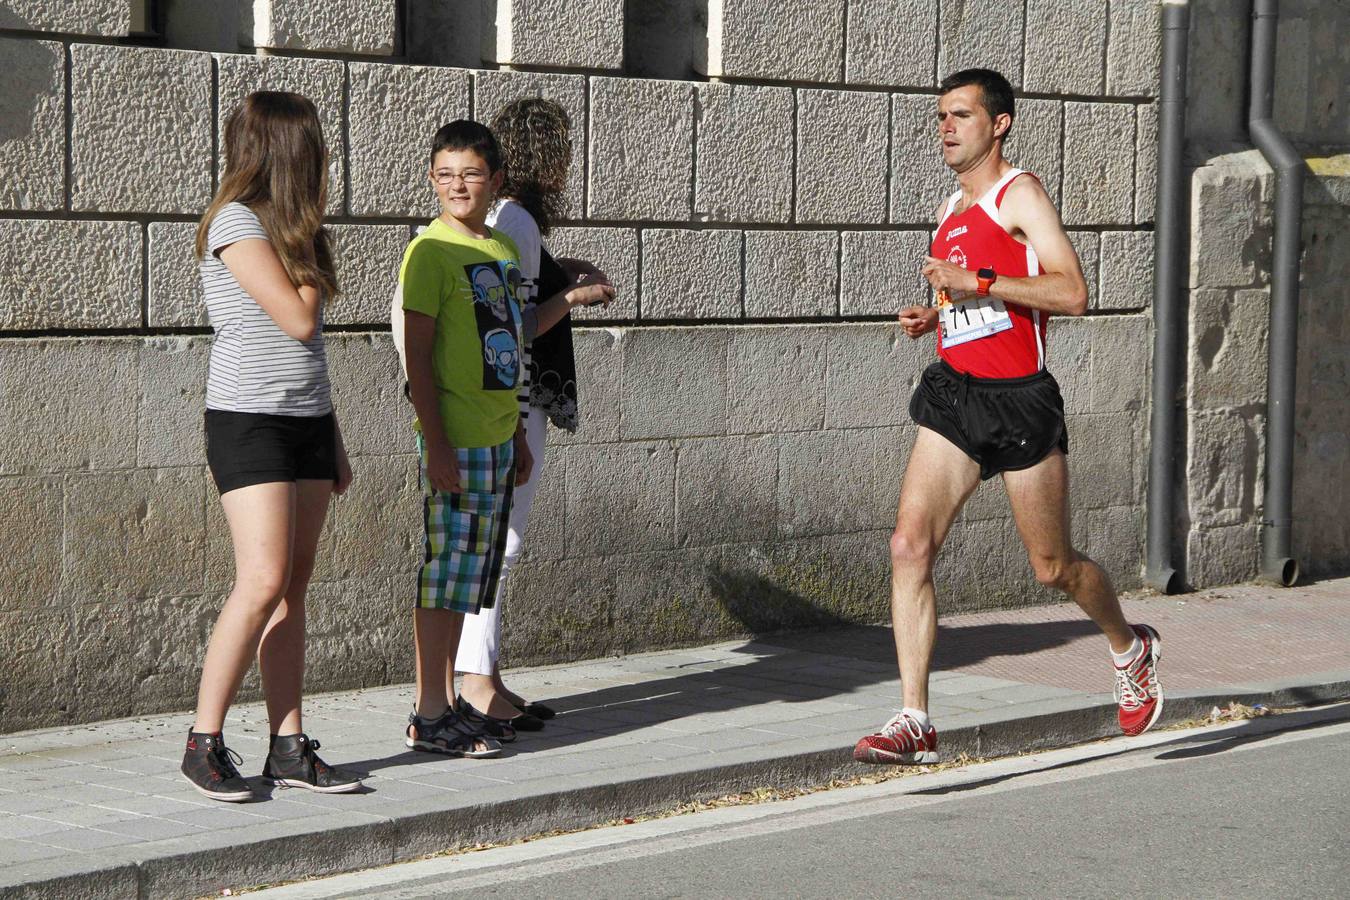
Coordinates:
(912,548)
(1052,572)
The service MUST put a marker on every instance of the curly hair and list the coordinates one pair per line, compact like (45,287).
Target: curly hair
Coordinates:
(536,150)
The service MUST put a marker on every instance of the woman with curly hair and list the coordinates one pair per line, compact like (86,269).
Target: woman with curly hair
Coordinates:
(537,149)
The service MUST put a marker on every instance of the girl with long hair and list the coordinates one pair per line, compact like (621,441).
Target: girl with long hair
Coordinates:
(272,441)
(534,134)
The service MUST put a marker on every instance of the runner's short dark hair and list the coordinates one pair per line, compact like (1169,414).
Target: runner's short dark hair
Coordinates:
(995,92)
(464,134)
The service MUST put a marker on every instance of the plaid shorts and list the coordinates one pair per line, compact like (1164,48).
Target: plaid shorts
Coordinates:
(466,532)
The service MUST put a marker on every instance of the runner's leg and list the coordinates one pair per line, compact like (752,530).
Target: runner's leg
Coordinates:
(938,480)
(1039,497)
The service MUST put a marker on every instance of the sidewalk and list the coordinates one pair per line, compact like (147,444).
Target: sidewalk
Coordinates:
(100,810)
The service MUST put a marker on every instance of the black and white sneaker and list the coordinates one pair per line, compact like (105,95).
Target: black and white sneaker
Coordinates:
(292,762)
(210,766)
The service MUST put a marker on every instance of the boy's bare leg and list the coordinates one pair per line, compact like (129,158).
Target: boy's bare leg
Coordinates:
(1040,505)
(938,480)
(437,634)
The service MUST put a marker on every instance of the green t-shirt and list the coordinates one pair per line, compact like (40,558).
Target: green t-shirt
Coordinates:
(472,287)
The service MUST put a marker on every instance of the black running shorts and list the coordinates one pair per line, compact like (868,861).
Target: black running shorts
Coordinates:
(243,448)
(1004,424)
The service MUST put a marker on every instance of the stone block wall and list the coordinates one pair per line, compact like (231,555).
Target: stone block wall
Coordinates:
(744,400)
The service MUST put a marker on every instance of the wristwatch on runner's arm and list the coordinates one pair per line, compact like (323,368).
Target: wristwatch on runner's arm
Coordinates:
(984,279)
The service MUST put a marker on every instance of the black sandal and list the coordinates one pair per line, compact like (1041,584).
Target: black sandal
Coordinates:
(502,729)
(450,735)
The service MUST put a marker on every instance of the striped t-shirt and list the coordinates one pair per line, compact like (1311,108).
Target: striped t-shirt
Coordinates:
(255,366)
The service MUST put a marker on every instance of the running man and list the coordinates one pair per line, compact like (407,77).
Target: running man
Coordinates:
(1001,265)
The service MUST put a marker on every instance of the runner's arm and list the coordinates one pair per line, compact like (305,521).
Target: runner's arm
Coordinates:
(1061,290)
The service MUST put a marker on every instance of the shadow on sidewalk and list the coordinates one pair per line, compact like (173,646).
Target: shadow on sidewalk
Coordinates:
(786,668)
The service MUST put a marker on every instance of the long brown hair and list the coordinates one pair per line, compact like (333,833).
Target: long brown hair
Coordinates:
(276,164)
(537,151)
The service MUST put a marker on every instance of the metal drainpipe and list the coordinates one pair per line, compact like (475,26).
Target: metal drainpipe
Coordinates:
(1169,241)
(1277,565)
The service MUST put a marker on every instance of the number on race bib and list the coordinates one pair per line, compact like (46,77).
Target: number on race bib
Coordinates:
(973,319)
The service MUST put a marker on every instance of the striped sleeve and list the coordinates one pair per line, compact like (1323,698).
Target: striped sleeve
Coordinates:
(232,222)
(516,223)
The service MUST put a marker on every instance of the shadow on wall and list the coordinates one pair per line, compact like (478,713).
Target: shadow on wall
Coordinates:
(27,68)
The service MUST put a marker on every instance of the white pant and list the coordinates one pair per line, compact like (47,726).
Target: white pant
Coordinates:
(481,640)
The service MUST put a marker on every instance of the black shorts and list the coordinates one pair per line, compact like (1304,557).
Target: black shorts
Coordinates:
(1004,424)
(257,448)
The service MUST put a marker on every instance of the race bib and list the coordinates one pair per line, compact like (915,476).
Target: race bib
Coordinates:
(973,319)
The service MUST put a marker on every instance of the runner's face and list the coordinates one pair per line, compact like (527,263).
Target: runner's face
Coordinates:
(464,184)
(965,127)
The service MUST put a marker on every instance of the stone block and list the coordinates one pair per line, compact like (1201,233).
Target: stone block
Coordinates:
(1036,144)
(671,599)
(665,39)
(332,26)
(67,405)
(779,377)
(599,357)
(891,447)
(691,274)
(1114,539)
(321,80)
(1230,227)
(871,372)
(615,252)
(33,125)
(174,293)
(806,582)
(566,34)
(725,490)
(1122,352)
(981,34)
(1099,152)
(340,656)
(1088,245)
(492,91)
(1228,554)
(1146,163)
(791,274)
(559,612)
(172,399)
(890,42)
(879,272)
(1127,270)
(1068,351)
(376,528)
(1224,461)
(620,498)
(641,149)
(1216,71)
(368,394)
(133,534)
(134,150)
(674,383)
(546,539)
(30,567)
(1227,353)
(772,39)
(36,689)
(920,180)
(826,482)
(1103,450)
(393,113)
(69,274)
(842,141)
(1064,46)
(1134,49)
(100,18)
(982,564)
(745,153)
(367,258)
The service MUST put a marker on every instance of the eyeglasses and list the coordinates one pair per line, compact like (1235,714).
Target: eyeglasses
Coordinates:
(446,177)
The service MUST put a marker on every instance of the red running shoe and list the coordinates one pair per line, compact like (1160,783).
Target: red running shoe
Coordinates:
(900,742)
(1139,694)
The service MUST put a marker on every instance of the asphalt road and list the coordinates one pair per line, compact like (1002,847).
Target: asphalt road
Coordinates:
(1248,810)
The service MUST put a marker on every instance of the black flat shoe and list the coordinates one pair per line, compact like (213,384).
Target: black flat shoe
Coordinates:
(503,730)
(538,711)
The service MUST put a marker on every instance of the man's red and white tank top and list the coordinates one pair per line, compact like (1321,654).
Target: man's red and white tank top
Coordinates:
(975,336)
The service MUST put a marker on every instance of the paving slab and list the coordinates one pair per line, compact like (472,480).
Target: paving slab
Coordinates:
(102,806)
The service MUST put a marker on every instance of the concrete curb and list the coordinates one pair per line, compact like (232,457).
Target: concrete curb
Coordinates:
(582,801)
